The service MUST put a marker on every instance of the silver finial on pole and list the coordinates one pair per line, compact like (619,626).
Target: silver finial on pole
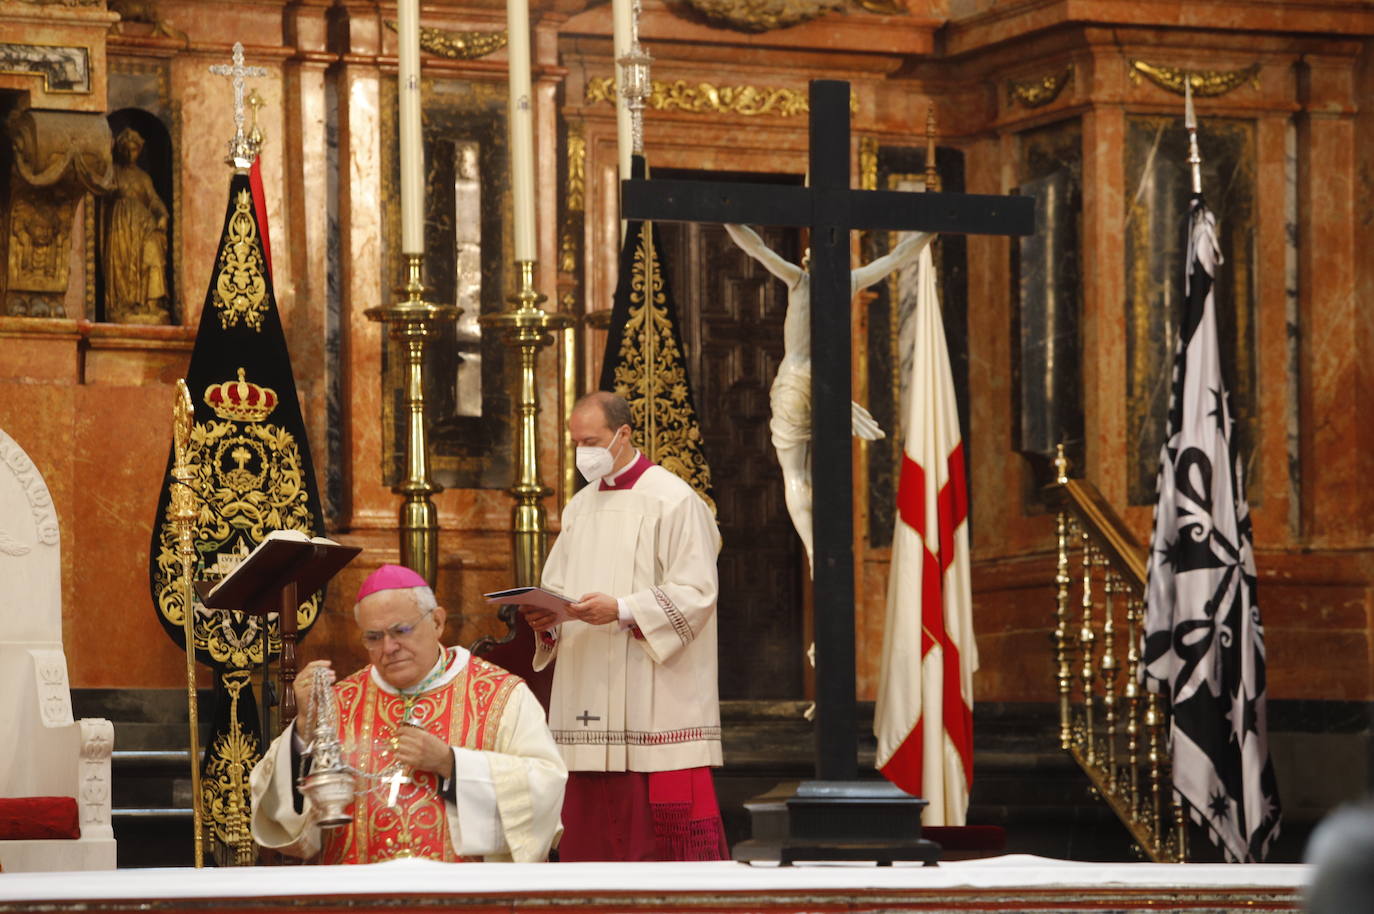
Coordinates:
(635,84)
(242,149)
(1190,122)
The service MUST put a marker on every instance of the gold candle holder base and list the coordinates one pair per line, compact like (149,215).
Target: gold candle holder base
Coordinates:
(413,322)
(526,327)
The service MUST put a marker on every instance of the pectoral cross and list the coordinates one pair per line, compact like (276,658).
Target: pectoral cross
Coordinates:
(239,147)
(397,778)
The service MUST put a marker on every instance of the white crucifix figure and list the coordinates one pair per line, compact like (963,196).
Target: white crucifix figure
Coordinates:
(396,779)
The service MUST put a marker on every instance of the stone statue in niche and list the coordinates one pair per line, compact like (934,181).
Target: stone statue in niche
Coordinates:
(134,241)
(790,396)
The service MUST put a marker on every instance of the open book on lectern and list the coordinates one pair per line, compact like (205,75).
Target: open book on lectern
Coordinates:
(534,596)
(284,557)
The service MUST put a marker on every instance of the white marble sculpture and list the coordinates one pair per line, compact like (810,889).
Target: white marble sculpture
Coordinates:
(43,752)
(790,395)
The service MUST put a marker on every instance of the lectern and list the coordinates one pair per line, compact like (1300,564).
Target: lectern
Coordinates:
(270,580)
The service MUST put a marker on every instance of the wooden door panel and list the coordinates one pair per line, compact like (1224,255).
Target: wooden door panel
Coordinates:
(731,312)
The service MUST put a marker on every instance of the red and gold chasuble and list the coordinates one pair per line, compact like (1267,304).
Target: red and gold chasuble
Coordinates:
(465,712)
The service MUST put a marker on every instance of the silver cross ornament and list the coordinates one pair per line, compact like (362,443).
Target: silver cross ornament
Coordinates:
(242,150)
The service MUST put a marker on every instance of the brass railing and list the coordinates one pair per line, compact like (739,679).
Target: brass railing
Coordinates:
(1115,729)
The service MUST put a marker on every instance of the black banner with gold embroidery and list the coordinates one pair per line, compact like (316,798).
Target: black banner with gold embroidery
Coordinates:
(253,475)
(644,360)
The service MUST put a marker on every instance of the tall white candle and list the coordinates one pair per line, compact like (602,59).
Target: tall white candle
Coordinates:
(412,146)
(521,127)
(622,20)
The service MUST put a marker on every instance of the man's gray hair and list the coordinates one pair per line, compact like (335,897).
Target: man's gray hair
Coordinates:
(613,406)
(423,596)
(1340,852)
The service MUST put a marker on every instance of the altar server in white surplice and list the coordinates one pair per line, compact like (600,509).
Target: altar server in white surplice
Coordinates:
(474,772)
(635,708)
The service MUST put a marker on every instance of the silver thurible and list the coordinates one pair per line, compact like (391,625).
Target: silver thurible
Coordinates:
(329,785)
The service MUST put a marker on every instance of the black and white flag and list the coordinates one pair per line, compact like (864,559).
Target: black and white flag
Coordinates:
(1204,644)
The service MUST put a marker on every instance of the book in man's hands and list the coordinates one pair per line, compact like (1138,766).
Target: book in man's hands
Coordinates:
(555,603)
(283,557)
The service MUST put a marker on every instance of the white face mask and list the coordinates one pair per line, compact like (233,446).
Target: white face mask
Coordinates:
(595,462)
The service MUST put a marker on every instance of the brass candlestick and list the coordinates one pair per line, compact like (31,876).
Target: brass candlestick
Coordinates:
(413,322)
(526,327)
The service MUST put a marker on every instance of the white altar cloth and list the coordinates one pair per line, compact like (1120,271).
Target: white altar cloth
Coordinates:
(425,877)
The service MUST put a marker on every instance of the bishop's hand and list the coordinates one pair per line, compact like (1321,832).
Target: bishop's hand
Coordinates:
(304,687)
(423,751)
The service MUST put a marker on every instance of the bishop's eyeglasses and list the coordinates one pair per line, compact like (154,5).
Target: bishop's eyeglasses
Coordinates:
(398,632)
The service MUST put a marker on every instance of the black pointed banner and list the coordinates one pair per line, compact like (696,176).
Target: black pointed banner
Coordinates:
(1203,641)
(644,360)
(253,475)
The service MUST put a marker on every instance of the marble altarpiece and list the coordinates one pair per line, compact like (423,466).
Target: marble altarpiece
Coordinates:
(1016,97)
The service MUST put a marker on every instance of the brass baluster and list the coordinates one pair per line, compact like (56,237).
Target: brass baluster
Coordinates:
(1086,637)
(1131,692)
(1153,726)
(1180,829)
(1061,637)
(1109,667)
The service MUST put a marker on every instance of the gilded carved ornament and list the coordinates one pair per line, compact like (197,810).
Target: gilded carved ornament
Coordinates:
(868,163)
(884,7)
(575,201)
(705,98)
(1204,83)
(1036,93)
(763,15)
(457,45)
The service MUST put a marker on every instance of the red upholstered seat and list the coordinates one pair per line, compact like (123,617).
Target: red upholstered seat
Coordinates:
(38,818)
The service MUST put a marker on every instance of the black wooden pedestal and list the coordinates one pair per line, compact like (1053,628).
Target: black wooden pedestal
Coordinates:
(836,820)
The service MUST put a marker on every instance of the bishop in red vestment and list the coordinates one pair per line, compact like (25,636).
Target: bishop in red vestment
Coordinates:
(451,756)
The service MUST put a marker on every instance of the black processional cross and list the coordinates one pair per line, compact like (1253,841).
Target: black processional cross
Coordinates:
(831,210)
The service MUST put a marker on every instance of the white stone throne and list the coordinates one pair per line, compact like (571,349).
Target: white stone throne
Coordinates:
(43,752)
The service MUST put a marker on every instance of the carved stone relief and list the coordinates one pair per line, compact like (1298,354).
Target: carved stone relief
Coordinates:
(56,158)
(54,695)
(35,492)
(97,744)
